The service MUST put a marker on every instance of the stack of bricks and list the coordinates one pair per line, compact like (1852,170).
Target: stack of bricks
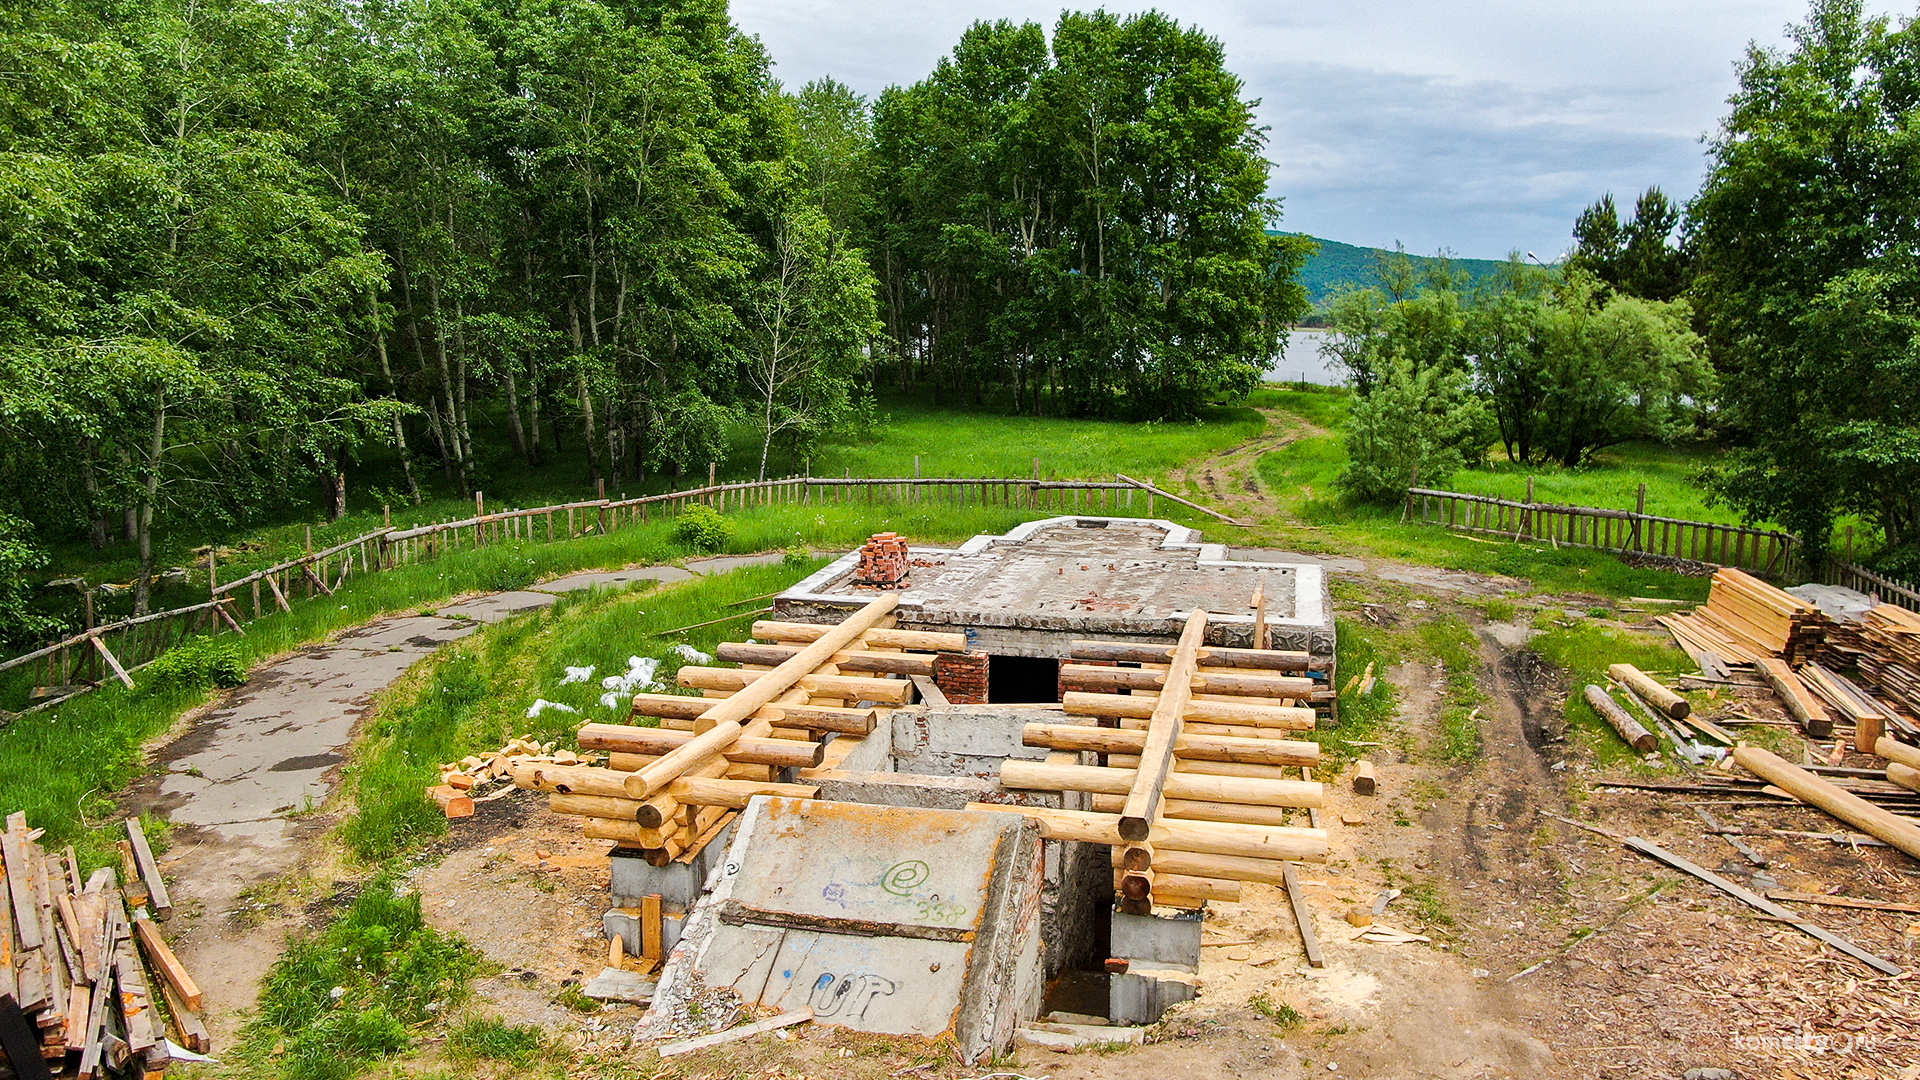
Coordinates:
(962,677)
(883,561)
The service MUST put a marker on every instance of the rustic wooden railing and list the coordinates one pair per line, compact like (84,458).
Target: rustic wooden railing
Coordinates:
(115,650)
(1763,551)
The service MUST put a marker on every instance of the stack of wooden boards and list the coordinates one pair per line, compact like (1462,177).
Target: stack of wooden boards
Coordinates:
(83,969)
(669,790)
(1744,621)
(1193,796)
(1891,658)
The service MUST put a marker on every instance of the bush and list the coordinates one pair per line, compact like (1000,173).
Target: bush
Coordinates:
(196,663)
(1418,422)
(797,555)
(20,624)
(702,528)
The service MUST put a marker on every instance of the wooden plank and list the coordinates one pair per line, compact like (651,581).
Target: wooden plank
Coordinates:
(149,870)
(1843,901)
(26,907)
(21,1042)
(1799,700)
(1163,731)
(652,927)
(746,1031)
(1303,916)
(171,970)
(187,1023)
(112,661)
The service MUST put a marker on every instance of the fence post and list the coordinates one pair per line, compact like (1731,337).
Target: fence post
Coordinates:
(1413,481)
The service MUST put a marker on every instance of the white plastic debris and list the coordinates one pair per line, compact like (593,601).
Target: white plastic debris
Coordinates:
(542,704)
(692,655)
(613,699)
(578,674)
(639,676)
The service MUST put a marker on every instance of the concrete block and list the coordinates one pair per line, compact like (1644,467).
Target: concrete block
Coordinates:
(874,752)
(949,741)
(895,921)
(1144,991)
(679,884)
(1066,1038)
(615,984)
(1155,939)
(624,923)
(905,789)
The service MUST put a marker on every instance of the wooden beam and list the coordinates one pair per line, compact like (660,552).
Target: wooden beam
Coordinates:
(1212,655)
(1200,810)
(727,717)
(1186,747)
(1800,702)
(883,636)
(1163,731)
(1139,706)
(888,663)
(847,687)
(1205,837)
(112,661)
(627,739)
(747,1031)
(812,717)
(171,970)
(1302,916)
(1848,807)
(1235,789)
(143,858)
(1217,681)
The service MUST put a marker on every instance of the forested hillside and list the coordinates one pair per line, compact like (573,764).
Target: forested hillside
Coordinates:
(1337,267)
(246,245)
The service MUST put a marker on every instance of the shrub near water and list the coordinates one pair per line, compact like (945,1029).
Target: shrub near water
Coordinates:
(349,995)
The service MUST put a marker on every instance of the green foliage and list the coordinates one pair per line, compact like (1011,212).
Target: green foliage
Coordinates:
(20,623)
(1807,275)
(702,528)
(200,662)
(1336,269)
(1277,1011)
(1639,258)
(342,998)
(1080,224)
(493,1039)
(1419,425)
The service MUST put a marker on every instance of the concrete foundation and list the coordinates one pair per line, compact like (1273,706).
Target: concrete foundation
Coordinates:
(1163,956)
(923,922)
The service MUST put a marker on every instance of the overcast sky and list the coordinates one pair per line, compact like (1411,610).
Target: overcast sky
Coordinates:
(1481,128)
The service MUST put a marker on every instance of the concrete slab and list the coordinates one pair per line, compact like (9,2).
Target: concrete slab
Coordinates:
(1045,583)
(900,922)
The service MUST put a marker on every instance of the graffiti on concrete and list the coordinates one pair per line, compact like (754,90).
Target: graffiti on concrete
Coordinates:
(846,997)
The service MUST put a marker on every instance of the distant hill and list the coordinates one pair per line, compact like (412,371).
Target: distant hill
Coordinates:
(1340,265)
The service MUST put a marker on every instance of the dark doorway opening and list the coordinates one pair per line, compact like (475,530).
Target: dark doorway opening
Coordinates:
(1022,679)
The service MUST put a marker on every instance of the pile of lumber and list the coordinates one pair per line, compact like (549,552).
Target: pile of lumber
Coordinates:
(669,790)
(1892,655)
(1194,792)
(1745,620)
(87,983)
(459,780)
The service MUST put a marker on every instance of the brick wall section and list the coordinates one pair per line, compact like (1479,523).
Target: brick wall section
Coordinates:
(962,677)
(883,560)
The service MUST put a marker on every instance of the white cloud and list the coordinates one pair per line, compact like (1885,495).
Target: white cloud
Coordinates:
(1479,128)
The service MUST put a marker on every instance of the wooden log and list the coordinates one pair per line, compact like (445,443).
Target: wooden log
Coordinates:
(1199,810)
(1163,731)
(1364,781)
(1256,659)
(1186,766)
(728,717)
(1905,775)
(1647,687)
(1107,679)
(847,687)
(1848,807)
(691,791)
(811,717)
(1209,837)
(1887,747)
(1638,737)
(626,739)
(1800,702)
(451,800)
(568,779)
(1140,707)
(1181,890)
(172,971)
(884,637)
(1188,747)
(890,663)
(1043,777)
(143,858)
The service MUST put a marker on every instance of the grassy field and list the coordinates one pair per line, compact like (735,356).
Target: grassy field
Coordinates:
(1315,517)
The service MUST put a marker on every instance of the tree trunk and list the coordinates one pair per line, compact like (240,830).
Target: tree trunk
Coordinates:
(457,463)
(150,489)
(399,429)
(586,398)
(96,519)
(513,417)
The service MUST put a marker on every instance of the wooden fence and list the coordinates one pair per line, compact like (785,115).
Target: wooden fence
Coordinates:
(116,650)
(1762,551)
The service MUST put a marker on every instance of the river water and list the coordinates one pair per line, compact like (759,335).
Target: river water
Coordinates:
(1300,361)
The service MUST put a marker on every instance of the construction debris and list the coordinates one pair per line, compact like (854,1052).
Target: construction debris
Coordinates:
(87,982)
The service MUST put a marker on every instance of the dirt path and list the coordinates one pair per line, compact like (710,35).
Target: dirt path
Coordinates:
(244,781)
(1232,476)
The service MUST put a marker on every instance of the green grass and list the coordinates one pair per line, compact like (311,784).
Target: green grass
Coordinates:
(1450,643)
(474,696)
(1302,474)
(64,765)
(1611,481)
(493,1039)
(340,999)
(1362,717)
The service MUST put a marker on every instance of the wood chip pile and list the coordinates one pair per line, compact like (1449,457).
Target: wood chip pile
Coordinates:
(87,983)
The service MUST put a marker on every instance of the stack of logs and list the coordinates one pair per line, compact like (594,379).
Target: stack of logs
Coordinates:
(78,965)
(669,790)
(1194,796)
